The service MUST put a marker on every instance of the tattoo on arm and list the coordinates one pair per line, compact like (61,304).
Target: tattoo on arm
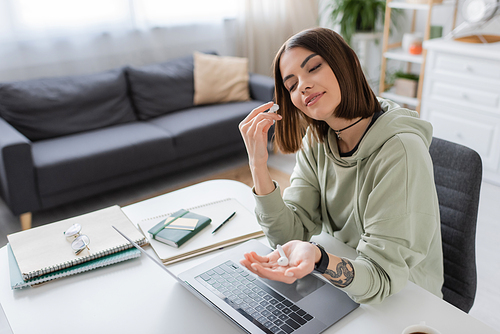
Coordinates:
(343,275)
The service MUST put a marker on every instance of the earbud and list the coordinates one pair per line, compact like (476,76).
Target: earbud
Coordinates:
(274,108)
(283,260)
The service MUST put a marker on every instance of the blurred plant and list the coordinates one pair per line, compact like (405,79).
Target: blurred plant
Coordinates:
(360,16)
(392,76)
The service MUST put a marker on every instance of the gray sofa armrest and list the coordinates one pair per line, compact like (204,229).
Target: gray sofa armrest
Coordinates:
(261,87)
(17,174)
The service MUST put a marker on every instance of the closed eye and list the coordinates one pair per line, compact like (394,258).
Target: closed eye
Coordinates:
(292,87)
(315,68)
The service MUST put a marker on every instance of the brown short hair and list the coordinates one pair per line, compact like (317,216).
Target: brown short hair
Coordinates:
(357,98)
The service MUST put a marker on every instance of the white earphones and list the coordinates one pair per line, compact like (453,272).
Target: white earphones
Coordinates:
(274,108)
(283,260)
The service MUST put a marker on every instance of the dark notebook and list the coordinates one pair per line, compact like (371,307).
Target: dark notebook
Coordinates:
(178,228)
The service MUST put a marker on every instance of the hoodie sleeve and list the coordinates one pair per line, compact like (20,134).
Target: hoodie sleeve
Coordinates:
(401,224)
(296,215)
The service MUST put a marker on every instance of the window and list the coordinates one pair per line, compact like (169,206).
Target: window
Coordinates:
(57,14)
(161,12)
(34,18)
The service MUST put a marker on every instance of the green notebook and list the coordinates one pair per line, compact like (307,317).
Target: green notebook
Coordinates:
(178,228)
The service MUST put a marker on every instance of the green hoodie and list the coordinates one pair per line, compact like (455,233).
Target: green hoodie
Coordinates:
(381,200)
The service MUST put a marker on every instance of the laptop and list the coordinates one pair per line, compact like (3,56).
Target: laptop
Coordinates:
(257,305)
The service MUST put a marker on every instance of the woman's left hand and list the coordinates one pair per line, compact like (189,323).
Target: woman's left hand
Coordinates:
(301,258)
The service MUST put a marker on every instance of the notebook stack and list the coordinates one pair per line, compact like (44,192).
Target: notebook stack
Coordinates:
(48,252)
(242,226)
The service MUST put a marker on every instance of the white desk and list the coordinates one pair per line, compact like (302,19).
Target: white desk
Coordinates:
(138,297)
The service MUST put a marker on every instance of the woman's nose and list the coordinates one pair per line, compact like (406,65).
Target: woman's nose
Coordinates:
(304,86)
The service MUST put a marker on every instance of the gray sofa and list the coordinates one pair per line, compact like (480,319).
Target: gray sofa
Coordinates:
(64,139)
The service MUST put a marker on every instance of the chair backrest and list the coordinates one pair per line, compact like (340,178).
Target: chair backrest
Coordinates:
(458,175)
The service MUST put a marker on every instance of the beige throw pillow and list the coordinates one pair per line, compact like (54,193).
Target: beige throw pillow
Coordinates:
(220,79)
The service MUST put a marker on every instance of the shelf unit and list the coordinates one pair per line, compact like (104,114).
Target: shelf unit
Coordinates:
(395,52)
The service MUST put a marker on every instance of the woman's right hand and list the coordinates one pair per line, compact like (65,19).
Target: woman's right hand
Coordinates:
(301,255)
(254,130)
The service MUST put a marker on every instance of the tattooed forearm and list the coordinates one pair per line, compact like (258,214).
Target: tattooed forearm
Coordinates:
(343,274)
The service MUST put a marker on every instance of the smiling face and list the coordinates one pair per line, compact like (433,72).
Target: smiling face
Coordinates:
(309,95)
(311,83)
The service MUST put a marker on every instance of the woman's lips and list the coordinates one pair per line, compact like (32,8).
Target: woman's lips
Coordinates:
(313,98)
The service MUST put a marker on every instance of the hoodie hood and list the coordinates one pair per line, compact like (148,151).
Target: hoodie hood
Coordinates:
(395,120)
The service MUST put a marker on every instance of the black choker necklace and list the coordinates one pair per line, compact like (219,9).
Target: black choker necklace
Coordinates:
(337,132)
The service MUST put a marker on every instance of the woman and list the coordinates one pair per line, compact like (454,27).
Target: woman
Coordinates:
(363,174)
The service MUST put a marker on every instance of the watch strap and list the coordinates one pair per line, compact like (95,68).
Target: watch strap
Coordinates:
(322,265)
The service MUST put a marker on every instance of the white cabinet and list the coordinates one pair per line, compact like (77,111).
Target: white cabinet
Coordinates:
(461,98)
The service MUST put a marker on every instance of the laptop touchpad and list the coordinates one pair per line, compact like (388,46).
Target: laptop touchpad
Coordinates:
(297,290)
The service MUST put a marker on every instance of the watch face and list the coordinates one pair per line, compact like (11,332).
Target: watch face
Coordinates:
(316,244)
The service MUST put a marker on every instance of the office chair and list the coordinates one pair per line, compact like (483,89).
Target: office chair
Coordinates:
(458,175)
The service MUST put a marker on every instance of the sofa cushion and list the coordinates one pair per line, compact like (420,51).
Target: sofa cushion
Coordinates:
(158,89)
(204,128)
(53,107)
(220,79)
(89,157)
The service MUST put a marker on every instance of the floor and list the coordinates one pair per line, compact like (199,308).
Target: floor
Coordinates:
(487,304)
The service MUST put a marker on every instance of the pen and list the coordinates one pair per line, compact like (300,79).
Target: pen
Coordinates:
(225,221)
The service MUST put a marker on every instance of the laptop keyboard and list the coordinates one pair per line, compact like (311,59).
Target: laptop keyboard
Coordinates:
(266,308)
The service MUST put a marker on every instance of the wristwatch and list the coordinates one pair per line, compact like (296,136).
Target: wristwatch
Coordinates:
(322,265)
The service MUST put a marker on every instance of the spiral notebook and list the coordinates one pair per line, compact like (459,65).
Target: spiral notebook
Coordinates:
(45,249)
(17,282)
(243,226)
